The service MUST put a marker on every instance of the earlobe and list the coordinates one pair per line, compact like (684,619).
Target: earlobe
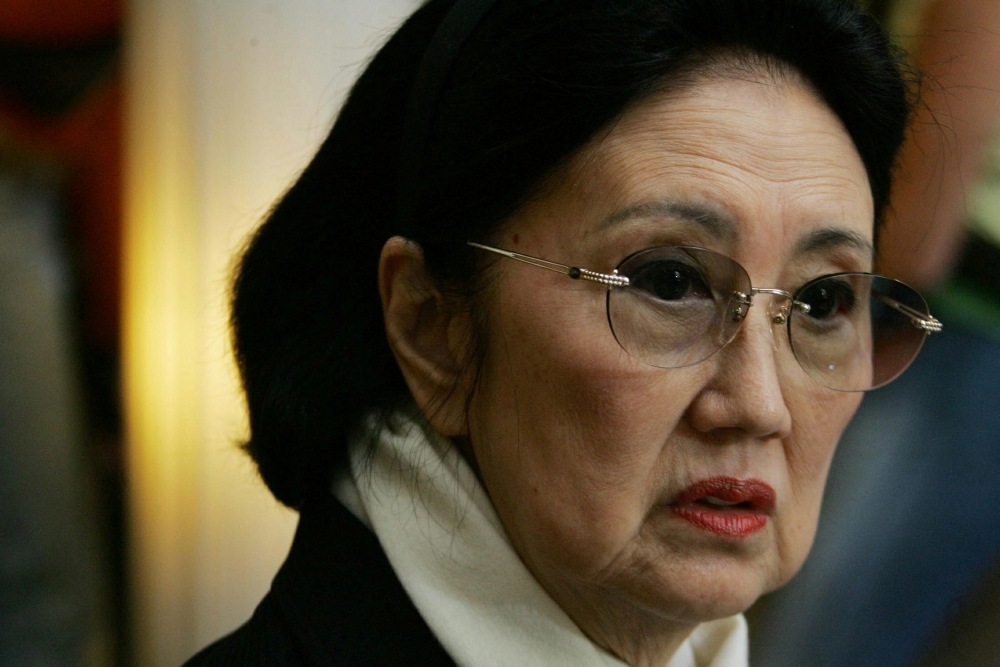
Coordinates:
(421,323)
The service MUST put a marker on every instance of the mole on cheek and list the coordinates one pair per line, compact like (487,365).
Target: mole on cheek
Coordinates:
(517,239)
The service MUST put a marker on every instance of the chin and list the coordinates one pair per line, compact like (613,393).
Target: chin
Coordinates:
(713,588)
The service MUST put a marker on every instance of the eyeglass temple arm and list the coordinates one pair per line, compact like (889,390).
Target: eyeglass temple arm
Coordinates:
(923,321)
(574,272)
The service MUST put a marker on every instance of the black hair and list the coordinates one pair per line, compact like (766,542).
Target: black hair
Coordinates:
(533,83)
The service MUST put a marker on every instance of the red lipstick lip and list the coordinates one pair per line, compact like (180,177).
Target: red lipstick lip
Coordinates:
(755,500)
(757,494)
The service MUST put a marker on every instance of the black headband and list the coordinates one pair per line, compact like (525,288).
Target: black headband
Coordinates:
(428,86)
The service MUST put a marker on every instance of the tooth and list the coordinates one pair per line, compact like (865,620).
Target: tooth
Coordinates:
(712,500)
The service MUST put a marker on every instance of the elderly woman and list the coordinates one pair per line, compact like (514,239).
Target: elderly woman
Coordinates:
(553,341)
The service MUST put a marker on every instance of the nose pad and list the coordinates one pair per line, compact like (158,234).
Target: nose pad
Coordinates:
(777,314)
(739,306)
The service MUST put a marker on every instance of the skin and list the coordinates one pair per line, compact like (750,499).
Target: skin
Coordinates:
(581,447)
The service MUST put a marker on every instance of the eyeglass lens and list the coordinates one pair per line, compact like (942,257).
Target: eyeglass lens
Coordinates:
(848,331)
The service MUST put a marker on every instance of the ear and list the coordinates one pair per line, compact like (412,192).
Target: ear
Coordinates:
(429,336)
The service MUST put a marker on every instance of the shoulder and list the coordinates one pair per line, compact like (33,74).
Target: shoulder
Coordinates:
(335,601)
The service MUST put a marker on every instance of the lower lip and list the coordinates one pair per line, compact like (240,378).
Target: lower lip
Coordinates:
(728,521)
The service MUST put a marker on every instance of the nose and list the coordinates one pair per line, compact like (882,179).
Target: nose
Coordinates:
(744,391)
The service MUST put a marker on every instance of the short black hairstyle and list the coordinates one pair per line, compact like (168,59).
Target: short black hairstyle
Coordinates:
(532,84)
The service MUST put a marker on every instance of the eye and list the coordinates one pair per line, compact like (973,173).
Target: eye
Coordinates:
(827,298)
(670,280)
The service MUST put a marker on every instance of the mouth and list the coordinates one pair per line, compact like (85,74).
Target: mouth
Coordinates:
(726,506)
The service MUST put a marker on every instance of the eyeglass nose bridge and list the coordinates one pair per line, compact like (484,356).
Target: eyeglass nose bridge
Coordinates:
(744,301)
(777,317)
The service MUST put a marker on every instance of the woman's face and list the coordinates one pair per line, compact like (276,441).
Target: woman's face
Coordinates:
(599,465)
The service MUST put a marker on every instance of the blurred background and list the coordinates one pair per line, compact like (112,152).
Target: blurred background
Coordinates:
(140,141)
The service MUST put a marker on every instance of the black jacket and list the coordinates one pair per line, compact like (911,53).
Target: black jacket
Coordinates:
(335,601)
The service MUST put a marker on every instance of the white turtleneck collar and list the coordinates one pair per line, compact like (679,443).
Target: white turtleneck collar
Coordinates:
(446,544)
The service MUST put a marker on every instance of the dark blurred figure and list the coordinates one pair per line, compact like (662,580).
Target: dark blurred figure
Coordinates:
(49,590)
(906,565)
(60,445)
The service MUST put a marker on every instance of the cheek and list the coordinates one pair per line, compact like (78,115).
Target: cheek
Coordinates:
(820,418)
(567,431)
(553,368)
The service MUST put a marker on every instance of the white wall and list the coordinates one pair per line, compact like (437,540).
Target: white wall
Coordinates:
(227,101)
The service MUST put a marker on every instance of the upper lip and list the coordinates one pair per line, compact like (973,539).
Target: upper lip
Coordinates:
(755,493)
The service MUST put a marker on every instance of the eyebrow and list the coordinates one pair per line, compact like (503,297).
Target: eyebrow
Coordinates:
(715,221)
(722,225)
(831,237)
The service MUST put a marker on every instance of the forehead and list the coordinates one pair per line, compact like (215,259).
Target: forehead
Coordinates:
(754,164)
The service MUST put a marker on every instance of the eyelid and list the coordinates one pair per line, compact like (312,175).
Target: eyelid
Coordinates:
(842,260)
(628,240)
